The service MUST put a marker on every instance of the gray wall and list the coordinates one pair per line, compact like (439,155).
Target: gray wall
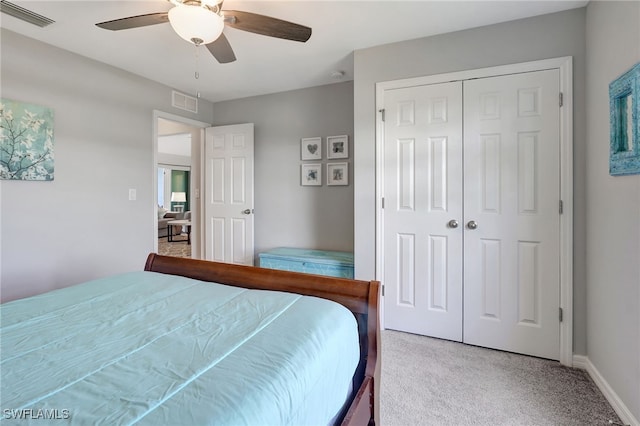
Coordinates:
(613,209)
(80,226)
(542,37)
(286,213)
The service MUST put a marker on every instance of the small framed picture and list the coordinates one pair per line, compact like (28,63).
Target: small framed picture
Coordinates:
(337,174)
(311,149)
(311,175)
(338,146)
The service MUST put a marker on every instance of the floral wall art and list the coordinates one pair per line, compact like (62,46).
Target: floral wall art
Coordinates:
(26,141)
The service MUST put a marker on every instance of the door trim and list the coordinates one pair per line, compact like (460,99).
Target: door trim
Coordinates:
(565,67)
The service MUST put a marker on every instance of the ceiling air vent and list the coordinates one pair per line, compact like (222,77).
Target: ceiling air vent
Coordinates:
(24,14)
(184,102)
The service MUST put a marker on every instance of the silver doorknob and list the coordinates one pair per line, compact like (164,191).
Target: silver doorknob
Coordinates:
(246,211)
(472,224)
(453,223)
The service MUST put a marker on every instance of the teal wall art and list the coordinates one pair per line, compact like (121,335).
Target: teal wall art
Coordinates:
(26,141)
(624,112)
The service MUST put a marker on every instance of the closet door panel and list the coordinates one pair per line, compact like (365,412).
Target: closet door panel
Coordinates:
(511,213)
(423,193)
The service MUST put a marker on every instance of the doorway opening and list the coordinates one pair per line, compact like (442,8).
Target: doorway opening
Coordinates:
(177,178)
(174,205)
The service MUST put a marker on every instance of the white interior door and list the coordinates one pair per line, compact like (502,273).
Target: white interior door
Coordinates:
(229,224)
(492,164)
(511,200)
(422,194)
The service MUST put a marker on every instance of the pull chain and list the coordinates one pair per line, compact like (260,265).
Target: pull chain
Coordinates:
(197,63)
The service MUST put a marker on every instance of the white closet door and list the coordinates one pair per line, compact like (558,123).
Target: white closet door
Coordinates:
(512,195)
(423,193)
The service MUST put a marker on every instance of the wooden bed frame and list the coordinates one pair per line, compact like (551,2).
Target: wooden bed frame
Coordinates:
(360,297)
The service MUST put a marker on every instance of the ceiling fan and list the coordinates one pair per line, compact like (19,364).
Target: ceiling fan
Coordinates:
(202,21)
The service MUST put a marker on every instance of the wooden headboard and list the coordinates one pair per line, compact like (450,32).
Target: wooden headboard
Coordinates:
(360,297)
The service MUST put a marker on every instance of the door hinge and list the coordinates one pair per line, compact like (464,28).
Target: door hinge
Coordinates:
(561,99)
(561,207)
(382,111)
(560,314)
(383,289)
(383,202)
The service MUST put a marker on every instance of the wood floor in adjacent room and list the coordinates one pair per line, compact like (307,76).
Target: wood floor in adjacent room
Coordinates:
(427,381)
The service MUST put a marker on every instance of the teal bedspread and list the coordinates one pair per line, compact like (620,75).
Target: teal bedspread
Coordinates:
(149,348)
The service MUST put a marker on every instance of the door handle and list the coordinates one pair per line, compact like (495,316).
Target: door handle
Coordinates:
(452,223)
(472,224)
(247,211)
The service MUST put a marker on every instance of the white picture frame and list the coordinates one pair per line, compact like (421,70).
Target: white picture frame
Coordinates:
(311,174)
(337,174)
(311,148)
(337,147)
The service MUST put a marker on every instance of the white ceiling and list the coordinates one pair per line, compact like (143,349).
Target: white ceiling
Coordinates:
(264,64)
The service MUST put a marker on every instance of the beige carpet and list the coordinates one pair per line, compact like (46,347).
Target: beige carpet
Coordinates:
(177,248)
(428,381)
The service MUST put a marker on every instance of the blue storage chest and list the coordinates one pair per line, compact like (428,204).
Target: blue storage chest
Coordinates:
(319,262)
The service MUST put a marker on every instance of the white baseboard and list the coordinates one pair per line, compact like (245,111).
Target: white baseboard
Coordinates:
(580,361)
(627,417)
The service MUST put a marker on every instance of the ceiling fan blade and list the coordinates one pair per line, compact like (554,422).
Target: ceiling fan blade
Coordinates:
(221,50)
(135,21)
(266,25)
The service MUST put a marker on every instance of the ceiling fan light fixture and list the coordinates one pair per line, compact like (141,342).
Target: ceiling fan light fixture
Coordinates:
(196,24)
